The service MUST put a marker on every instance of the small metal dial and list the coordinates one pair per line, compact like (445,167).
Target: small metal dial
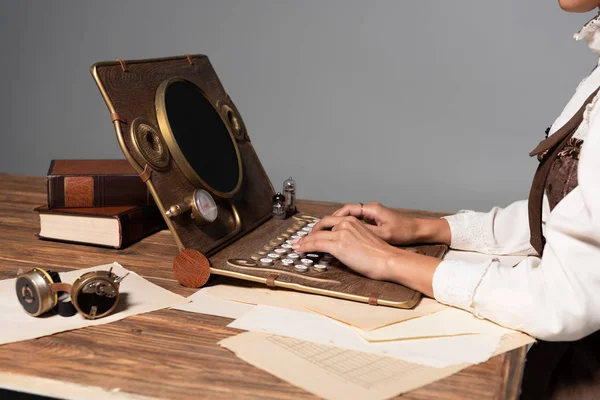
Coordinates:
(204,208)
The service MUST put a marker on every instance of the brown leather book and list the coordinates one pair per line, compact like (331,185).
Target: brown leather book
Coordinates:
(95,183)
(115,227)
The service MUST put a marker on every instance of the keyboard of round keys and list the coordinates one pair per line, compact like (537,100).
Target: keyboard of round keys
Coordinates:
(278,251)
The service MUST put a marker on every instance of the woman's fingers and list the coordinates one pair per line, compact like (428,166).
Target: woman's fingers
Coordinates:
(337,223)
(368,212)
(327,223)
(346,224)
(348,210)
(322,241)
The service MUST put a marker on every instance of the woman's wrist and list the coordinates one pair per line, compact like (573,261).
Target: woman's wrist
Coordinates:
(412,270)
(432,230)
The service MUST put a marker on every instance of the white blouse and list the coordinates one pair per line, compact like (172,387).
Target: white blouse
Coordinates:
(556,297)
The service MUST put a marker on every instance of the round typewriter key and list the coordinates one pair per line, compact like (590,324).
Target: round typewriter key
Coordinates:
(320,267)
(280,251)
(256,257)
(296,237)
(275,242)
(287,261)
(307,261)
(284,236)
(274,256)
(307,229)
(311,225)
(312,256)
(286,246)
(301,268)
(291,230)
(302,233)
(269,247)
(294,256)
(266,261)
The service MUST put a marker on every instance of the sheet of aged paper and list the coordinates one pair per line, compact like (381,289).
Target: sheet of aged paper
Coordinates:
(137,295)
(361,315)
(451,322)
(202,303)
(249,293)
(339,374)
(435,352)
(365,316)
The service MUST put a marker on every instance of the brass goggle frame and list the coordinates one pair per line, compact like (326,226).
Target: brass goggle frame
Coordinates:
(38,292)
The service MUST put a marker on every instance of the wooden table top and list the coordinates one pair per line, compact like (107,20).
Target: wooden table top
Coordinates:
(168,353)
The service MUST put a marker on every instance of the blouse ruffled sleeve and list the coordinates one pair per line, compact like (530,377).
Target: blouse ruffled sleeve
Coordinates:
(555,298)
(502,231)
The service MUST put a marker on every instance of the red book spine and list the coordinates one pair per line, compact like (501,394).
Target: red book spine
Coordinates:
(97,191)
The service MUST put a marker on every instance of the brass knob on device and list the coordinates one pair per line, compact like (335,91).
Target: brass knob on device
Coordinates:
(202,206)
(176,210)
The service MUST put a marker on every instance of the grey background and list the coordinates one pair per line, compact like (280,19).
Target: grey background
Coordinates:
(421,104)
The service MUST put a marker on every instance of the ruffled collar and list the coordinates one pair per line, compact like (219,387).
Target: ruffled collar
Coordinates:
(591,33)
(589,29)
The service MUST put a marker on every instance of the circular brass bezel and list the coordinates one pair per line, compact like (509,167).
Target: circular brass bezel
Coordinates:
(165,128)
(160,159)
(41,280)
(233,120)
(196,214)
(83,280)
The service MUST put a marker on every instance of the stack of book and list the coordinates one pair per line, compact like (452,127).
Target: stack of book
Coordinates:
(98,202)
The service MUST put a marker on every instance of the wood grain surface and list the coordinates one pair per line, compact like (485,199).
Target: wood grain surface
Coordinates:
(168,354)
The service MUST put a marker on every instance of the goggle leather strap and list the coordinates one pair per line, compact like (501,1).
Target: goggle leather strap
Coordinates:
(64,307)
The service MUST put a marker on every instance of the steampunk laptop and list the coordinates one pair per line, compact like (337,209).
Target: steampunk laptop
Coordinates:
(182,133)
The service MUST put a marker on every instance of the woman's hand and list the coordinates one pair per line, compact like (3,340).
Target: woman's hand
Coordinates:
(359,248)
(391,226)
(353,244)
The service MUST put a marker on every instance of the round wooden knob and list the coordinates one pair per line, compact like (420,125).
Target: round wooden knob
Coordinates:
(191,268)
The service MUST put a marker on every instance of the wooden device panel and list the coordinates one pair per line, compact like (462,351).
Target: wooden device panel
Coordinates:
(130,89)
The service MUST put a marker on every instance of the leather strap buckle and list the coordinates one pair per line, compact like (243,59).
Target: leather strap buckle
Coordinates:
(373,297)
(117,117)
(123,65)
(271,280)
(146,173)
